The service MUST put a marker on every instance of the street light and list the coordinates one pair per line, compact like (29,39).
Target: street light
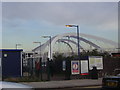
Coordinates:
(68,42)
(50,44)
(17,45)
(40,58)
(77,37)
(40,47)
(48,62)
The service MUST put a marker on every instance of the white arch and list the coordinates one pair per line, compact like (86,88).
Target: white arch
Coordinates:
(61,40)
(67,44)
(87,41)
(57,37)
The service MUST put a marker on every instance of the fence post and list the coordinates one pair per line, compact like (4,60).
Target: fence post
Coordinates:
(41,68)
(48,69)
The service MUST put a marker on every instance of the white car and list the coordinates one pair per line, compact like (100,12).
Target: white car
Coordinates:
(14,86)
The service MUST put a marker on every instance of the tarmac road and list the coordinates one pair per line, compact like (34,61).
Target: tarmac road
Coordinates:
(77,88)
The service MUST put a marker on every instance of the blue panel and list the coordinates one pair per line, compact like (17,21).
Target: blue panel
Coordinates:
(11,65)
(84,58)
(0,54)
(11,49)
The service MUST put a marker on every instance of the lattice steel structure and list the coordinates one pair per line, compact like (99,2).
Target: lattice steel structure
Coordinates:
(61,38)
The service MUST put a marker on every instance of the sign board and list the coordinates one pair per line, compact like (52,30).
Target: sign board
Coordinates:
(75,68)
(115,54)
(96,61)
(84,67)
(64,65)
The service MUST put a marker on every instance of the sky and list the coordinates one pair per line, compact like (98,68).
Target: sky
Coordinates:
(26,22)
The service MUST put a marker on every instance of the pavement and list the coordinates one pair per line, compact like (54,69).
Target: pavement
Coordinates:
(66,83)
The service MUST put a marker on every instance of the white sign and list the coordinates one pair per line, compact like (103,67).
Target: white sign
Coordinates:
(96,61)
(64,65)
(84,66)
(75,68)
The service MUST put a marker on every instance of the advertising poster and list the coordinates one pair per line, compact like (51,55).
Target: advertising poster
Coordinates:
(84,67)
(75,68)
(96,61)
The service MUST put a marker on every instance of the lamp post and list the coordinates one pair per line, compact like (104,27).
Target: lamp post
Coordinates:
(40,59)
(77,37)
(48,59)
(40,47)
(17,45)
(68,42)
(50,45)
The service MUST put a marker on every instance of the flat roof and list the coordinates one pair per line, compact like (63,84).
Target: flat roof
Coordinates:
(11,49)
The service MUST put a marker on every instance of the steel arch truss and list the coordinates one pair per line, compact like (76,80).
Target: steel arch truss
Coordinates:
(73,35)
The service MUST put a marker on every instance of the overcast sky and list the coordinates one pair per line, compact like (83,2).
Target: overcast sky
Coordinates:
(27,22)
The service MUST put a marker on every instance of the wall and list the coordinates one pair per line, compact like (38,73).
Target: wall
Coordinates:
(11,63)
